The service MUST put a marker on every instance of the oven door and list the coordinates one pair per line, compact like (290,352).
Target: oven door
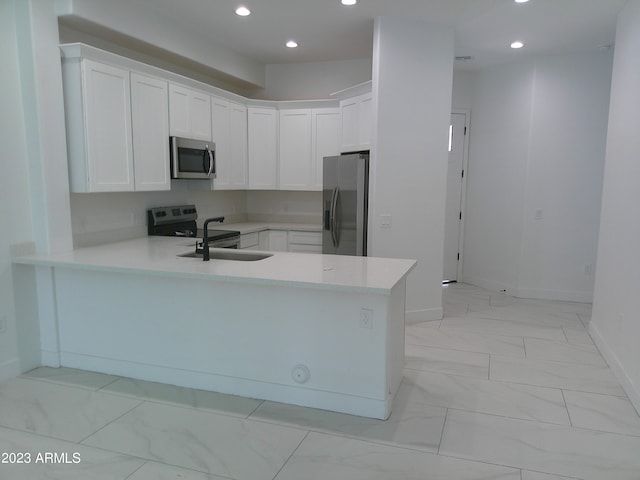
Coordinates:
(192,159)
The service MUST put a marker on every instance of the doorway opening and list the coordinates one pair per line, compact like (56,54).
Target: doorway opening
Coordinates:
(455,197)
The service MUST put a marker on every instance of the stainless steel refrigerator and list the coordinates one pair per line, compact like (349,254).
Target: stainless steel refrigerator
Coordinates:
(345,199)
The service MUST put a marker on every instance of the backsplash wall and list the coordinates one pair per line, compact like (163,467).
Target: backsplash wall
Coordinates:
(284,206)
(110,217)
(98,218)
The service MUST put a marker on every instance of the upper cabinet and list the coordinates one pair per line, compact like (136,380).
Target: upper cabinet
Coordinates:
(295,149)
(229,131)
(326,124)
(120,114)
(189,113)
(263,148)
(306,137)
(150,127)
(117,128)
(99,134)
(357,123)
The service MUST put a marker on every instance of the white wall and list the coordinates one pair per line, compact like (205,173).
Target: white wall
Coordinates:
(281,206)
(15,207)
(35,213)
(498,146)
(462,90)
(615,323)
(538,131)
(110,217)
(409,152)
(311,81)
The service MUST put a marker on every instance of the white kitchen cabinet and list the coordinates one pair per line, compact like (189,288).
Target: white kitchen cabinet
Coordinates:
(262,132)
(326,126)
(357,123)
(278,241)
(306,137)
(150,128)
(295,149)
(229,131)
(263,240)
(98,117)
(189,113)
(238,146)
(304,242)
(249,240)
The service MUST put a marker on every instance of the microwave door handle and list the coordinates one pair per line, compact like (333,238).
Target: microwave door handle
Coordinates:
(212,162)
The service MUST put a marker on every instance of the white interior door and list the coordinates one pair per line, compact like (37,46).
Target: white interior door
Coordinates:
(453,211)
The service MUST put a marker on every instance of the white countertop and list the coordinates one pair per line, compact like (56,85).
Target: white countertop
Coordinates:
(251,227)
(158,256)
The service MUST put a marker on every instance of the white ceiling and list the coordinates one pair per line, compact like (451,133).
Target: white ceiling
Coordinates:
(325,30)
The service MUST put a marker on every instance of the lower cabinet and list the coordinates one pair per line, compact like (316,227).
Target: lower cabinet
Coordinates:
(304,242)
(250,240)
(283,241)
(278,241)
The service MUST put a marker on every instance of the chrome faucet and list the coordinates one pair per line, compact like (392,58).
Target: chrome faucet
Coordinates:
(205,237)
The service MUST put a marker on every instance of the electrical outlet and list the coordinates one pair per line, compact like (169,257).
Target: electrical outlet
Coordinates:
(587,269)
(366,318)
(385,220)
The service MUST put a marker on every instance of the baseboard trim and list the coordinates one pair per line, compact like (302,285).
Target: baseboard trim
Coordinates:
(9,369)
(425,315)
(534,293)
(632,390)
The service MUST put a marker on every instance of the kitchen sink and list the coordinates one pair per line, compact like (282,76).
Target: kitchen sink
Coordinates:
(229,254)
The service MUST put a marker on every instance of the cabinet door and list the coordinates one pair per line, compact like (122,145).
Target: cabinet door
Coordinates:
(200,106)
(238,145)
(350,127)
(107,112)
(220,129)
(150,127)
(263,148)
(278,241)
(189,113)
(357,123)
(295,149)
(327,126)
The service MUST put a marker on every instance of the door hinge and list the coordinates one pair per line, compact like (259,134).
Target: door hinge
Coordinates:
(460,216)
(465,130)
(458,257)
(462,173)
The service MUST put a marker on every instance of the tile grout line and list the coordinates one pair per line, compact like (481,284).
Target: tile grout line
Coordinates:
(140,402)
(136,470)
(291,455)
(446,415)
(564,399)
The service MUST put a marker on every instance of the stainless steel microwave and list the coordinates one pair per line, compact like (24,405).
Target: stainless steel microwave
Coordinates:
(192,159)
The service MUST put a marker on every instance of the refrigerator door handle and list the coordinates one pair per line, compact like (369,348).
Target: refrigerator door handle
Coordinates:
(332,217)
(336,218)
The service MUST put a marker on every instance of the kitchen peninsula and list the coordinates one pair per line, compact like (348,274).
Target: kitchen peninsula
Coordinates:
(322,331)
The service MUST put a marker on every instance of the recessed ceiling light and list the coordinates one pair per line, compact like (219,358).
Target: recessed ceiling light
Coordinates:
(348,2)
(521,1)
(243,11)
(292,44)
(517,45)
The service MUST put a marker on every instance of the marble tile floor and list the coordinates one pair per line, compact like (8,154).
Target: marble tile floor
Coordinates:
(501,388)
